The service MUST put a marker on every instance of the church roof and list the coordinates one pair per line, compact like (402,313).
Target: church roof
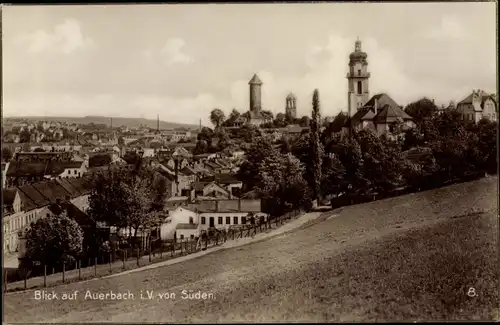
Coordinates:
(382,100)
(291,96)
(387,111)
(389,114)
(255,80)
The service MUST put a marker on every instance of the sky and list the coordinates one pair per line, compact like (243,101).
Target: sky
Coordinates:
(181,61)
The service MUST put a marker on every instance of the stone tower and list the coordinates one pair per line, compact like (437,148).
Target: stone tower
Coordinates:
(255,95)
(291,106)
(357,80)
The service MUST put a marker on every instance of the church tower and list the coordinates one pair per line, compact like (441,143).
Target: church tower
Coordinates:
(357,80)
(255,95)
(291,106)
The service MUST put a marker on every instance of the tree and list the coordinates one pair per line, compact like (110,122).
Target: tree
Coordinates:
(268,115)
(421,110)
(316,145)
(304,121)
(280,179)
(233,116)
(259,149)
(217,117)
(6,154)
(54,240)
(280,120)
(100,160)
(333,181)
(133,158)
(350,155)
(24,136)
(248,133)
(108,198)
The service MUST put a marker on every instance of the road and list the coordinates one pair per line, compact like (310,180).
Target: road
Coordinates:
(319,272)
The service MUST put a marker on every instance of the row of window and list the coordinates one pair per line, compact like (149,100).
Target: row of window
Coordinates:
(221,219)
(17,223)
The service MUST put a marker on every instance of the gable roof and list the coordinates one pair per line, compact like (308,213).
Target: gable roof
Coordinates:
(20,169)
(64,182)
(468,99)
(31,198)
(8,196)
(382,99)
(51,190)
(389,114)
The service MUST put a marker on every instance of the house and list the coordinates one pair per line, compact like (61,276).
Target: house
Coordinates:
(20,173)
(210,189)
(181,223)
(382,115)
(28,203)
(228,181)
(478,105)
(223,214)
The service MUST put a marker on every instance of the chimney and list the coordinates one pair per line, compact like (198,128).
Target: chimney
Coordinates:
(239,204)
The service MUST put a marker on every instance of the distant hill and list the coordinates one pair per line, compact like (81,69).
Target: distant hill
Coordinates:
(117,121)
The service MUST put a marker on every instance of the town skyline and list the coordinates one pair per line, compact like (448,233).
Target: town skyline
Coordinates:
(70,61)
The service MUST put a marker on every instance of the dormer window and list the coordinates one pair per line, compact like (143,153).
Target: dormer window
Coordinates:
(359,72)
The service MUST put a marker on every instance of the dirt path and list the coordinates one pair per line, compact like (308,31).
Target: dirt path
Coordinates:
(291,277)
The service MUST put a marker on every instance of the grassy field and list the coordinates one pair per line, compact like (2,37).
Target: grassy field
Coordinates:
(406,258)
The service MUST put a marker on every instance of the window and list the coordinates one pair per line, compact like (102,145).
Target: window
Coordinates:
(191,220)
(48,215)
(243,220)
(235,220)
(74,172)
(360,88)
(192,236)
(359,72)
(203,220)
(219,220)
(182,236)
(228,220)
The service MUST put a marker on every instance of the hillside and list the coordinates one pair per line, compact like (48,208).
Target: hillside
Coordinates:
(117,121)
(410,258)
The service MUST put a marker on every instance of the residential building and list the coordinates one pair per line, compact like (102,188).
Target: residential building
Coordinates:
(478,105)
(25,204)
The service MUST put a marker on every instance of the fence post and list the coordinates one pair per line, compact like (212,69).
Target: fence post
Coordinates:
(206,240)
(172,250)
(110,262)
(138,253)
(44,275)
(79,269)
(25,278)
(150,250)
(64,271)
(5,280)
(95,266)
(161,250)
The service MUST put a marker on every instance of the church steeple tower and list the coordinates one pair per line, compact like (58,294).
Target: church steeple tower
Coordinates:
(357,79)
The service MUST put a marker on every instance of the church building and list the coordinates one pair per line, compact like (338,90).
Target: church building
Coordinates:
(379,113)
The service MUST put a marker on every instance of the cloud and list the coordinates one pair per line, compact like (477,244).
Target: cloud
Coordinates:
(64,38)
(450,27)
(172,51)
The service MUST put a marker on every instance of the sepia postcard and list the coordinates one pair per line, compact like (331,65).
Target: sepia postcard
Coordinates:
(257,163)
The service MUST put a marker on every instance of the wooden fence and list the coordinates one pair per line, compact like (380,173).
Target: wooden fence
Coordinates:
(124,259)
